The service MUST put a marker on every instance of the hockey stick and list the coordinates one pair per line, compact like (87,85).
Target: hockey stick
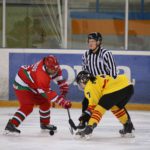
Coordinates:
(71,123)
(71,129)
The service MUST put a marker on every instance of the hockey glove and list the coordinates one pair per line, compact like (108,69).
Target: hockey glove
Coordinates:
(63,102)
(85,116)
(63,86)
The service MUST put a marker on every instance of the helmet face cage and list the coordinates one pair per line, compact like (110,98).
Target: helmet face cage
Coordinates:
(95,35)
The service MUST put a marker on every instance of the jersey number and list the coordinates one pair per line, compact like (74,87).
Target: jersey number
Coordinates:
(89,95)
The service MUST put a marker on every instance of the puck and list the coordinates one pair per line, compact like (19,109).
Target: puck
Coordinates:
(51,132)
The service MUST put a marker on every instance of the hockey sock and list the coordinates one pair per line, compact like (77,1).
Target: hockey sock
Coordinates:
(97,114)
(44,112)
(18,118)
(120,114)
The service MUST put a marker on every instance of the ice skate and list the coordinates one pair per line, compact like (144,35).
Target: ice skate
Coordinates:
(86,133)
(80,128)
(79,135)
(82,135)
(48,127)
(11,129)
(128,130)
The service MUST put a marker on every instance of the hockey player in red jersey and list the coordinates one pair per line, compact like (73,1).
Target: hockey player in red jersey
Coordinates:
(32,87)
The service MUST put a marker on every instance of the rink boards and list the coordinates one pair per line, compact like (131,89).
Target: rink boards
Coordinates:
(134,63)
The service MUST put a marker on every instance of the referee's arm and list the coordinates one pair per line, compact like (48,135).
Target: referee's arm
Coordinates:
(110,63)
(84,64)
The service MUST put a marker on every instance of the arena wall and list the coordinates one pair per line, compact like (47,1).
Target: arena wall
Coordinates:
(134,63)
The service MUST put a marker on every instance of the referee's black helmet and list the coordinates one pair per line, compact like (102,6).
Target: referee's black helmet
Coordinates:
(83,77)
(95,35)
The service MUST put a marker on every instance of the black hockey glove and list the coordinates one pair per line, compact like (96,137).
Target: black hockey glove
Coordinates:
(85,117)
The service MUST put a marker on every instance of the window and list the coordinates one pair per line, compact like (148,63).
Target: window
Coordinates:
(106,17)
(32,23)
(139,23)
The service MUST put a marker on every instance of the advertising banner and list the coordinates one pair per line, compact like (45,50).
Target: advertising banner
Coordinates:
(136,67)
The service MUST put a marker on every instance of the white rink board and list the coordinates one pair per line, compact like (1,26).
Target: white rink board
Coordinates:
(105,136)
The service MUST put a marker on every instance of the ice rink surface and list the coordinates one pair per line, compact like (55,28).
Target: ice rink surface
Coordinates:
(105,136)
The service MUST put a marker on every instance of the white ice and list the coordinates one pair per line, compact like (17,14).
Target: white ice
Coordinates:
(105,136)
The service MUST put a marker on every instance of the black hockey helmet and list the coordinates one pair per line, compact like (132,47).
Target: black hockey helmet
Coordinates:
(83,77)
(95,35)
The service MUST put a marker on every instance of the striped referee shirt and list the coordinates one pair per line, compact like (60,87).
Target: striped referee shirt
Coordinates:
(99,63)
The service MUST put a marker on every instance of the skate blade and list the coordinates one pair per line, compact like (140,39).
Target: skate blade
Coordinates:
(6,132)
(78,135)
(88,137)
(128,135)
(47,130)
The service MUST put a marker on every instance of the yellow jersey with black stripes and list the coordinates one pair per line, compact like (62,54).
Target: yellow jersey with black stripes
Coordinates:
(104,85)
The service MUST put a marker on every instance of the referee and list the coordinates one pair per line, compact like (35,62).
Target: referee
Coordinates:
(98,60)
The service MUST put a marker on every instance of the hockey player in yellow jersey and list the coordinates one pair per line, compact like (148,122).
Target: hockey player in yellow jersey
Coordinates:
(105,93)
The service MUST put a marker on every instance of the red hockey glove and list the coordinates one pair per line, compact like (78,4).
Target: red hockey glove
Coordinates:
(63,86)
(63,102)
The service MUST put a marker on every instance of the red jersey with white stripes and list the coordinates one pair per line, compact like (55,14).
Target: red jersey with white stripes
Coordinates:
(36,79)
